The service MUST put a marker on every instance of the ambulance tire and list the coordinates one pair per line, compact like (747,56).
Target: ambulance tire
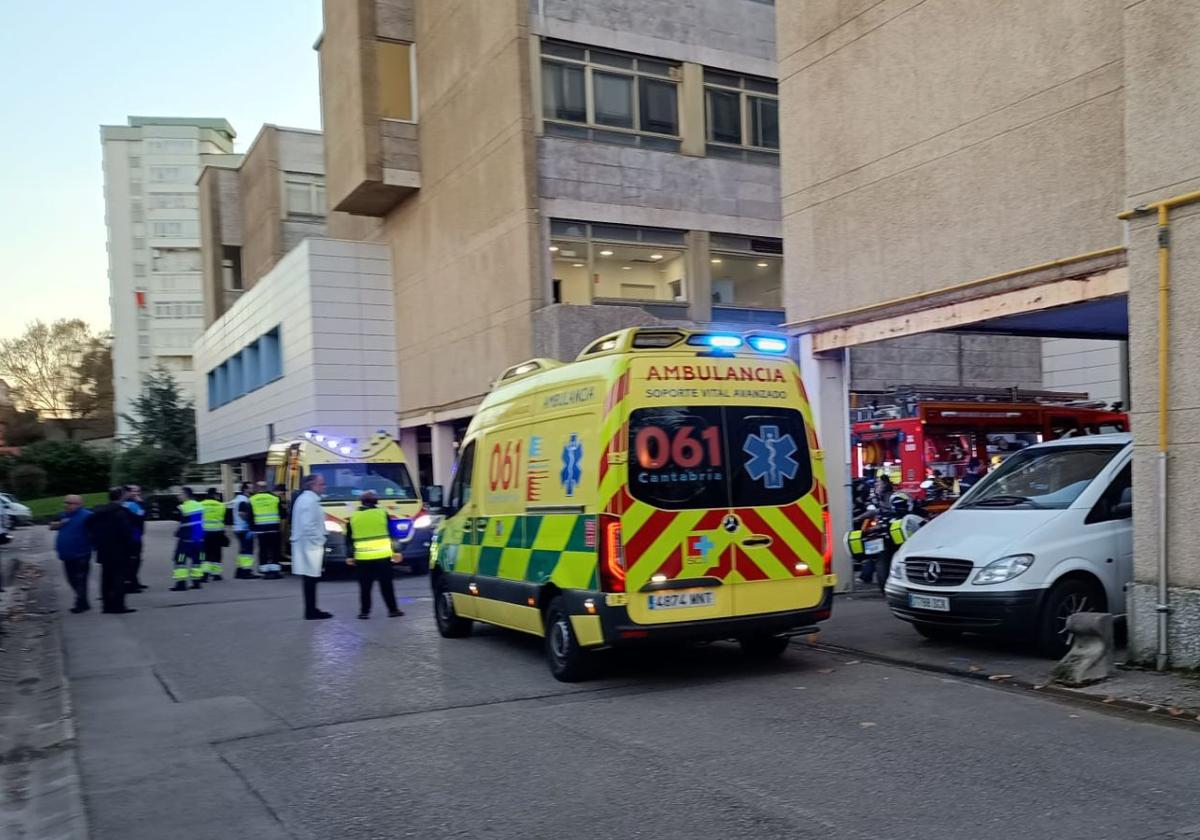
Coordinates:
(764,646)
(449,624)
(568,660)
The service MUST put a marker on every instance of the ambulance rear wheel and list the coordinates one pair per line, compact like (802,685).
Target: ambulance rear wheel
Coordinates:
(764,646)
(568,660)
(449,623)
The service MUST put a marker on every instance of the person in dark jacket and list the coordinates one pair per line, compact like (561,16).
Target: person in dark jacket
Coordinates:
(133,504)
(74,548)
(111,529)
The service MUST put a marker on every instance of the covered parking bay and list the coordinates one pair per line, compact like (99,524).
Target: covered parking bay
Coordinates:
(1083,297)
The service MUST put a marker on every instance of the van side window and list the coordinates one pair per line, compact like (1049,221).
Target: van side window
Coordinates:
(460,489)
(1106,508)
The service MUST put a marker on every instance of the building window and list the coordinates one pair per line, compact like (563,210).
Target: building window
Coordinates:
(139,269)
(136,212)
(172,174)
(397,80)
(742,115)
(270,357)
(174,230)
(172,201)
(139,243)
(176,260)
(171,146)
(257,364)
(746,272)
(135,162)
(610,96)
(617,262)
(305,194)
(231,268)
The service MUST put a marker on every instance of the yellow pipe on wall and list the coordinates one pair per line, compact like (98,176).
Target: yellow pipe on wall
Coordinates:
(1163,208)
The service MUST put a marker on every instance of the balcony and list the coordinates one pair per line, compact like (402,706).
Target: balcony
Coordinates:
(369,105)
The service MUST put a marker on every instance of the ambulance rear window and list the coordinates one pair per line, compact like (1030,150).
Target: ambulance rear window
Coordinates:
(688,458)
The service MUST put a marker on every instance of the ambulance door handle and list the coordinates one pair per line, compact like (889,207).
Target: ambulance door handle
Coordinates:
(756,542)
(480,525)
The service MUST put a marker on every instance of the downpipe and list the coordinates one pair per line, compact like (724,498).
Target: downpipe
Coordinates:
(1163,608)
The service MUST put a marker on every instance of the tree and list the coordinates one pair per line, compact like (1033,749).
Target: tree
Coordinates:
(92,399)
(20,428)
(150,467)
(164,433)
(44,369)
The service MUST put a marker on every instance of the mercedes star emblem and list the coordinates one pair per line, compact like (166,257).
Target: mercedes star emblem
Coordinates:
(933,571)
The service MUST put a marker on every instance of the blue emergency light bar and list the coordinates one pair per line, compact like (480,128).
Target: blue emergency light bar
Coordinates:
(768,344)
(718,341)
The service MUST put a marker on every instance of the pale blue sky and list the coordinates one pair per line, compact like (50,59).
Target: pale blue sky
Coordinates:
(70,66)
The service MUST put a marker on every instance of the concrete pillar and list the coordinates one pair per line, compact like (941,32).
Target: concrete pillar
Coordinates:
(1162,118)
(699,276)
(442,443)
(228,490)
(826,378)
(248,471)
(408,443)
(693,129)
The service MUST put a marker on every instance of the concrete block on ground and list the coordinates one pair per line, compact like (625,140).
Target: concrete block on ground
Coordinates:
(1090,659)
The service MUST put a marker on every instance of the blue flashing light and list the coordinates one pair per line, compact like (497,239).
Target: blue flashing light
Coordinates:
(723,342)
(769,344)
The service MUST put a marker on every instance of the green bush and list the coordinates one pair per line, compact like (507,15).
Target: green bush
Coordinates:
(28,481)
(151,467)
(70,467)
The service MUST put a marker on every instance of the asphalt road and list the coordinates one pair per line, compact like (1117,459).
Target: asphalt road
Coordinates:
(221,714)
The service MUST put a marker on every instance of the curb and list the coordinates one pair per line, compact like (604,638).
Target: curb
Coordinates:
(39,767)
(1160,713)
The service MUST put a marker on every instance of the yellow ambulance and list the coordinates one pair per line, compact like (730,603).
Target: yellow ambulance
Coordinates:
(350,467)
(665,485)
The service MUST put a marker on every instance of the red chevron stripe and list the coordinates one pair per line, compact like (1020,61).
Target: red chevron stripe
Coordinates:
(779,546)
(746,566)
(640,542)
(673,565)
(804,525)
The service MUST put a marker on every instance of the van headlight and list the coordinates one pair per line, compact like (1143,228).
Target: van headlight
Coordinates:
(897,572)
(423,521)
(1004,569)
(332,527)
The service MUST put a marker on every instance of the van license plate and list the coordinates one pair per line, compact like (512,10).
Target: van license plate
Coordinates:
(929,602)
(873,546)
(671,600)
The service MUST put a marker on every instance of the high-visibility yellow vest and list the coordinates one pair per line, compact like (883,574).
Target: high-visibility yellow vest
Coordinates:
(265,507)
(372,537)
(214,515)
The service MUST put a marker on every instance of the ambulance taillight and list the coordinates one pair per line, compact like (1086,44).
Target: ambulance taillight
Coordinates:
(827,541)
(612,555)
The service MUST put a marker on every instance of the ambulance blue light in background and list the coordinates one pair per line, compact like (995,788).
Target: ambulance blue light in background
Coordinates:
(768,344)
(724,342)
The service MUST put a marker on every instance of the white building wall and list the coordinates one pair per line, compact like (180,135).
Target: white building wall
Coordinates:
(333,303)
(143,161)
(1070,364)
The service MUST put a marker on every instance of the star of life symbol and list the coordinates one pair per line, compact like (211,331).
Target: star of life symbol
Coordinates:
(771,458)
(572,460)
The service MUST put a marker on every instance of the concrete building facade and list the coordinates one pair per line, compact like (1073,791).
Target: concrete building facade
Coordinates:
(945,166)
(256,208)
(154,267)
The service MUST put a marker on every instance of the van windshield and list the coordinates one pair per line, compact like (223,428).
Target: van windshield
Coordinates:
(688,458)
(1050,477)
(348,481)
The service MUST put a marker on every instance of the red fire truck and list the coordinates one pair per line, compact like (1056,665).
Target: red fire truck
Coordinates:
(917,439)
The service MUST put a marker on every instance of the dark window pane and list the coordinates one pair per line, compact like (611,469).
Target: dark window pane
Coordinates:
(665,144)
(724,116)
(677,458)
(663,236)
(602,136)
(562,92)
(612,59)
(658,68)
(576,230)
(768,456)
(762,86)
(764,122)
(562,50)
(660,111)
(615,233)
(576,132)
(613,97)
(718,78)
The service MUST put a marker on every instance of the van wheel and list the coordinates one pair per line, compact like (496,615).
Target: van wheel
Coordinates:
(764,646)
(938,634)
(1065,598)
(449,623)
(568,660)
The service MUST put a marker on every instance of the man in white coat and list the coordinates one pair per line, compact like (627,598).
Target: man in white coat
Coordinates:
(308,542)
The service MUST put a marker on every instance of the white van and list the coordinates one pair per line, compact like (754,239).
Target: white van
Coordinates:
(1048,534)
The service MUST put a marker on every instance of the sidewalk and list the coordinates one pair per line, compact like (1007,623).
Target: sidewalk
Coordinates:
(862,625)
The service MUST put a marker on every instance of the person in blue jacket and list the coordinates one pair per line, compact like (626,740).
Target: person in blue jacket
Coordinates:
(74,548)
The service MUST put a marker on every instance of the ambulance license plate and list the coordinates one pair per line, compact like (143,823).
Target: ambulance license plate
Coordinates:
(873,546)
(929,602)
(672,600)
